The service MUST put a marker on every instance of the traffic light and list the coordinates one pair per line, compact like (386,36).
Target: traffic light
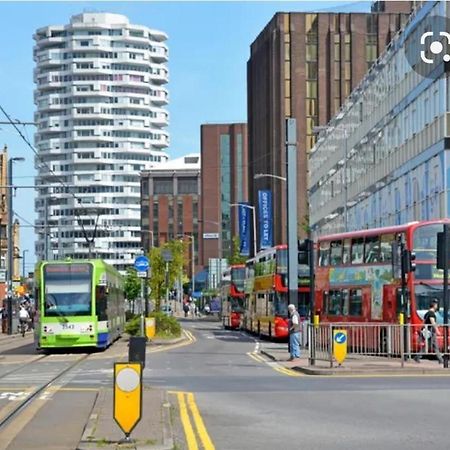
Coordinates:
(442,251)
(304,249)
(408,261)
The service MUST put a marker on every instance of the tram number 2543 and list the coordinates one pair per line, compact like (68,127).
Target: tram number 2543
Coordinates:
(68,326)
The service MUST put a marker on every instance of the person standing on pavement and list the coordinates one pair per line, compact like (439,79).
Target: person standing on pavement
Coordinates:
(294,332)
(430,332)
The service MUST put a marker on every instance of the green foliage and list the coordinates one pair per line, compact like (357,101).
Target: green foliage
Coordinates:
(166,326)
(236,257)
(133,326)
(132,284)
(158,283)
(304,228)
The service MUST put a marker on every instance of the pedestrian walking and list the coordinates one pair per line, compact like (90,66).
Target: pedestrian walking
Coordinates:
(429,333)
(294,333)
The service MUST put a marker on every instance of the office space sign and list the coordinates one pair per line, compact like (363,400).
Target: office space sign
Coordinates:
(244,230)
(265,219)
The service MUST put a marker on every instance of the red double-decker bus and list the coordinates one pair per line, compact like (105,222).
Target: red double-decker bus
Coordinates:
(232,294)
(358,275)
(267,296)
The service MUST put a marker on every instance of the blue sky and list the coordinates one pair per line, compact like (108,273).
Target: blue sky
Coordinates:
(209,45)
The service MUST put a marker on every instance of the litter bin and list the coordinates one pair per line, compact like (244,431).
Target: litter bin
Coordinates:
(136,350)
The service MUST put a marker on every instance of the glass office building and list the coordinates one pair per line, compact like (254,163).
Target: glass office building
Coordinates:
(383,160)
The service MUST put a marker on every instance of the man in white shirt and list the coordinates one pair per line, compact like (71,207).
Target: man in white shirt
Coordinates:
(294,332)
(24,315)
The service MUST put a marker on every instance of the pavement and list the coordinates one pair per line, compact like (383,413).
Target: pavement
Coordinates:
(353,364)
(153,432)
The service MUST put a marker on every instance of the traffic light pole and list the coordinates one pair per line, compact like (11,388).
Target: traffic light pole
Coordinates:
(445,293)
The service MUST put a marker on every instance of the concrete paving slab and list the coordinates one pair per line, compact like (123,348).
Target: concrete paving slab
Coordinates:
(152,432)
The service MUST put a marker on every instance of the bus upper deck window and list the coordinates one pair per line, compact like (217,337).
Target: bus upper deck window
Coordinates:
(386,247)
(324,254)
(336,253)
(357,251)
(346,251)
(372,250)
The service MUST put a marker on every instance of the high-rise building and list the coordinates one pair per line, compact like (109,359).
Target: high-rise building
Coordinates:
(224,182)
(303,66)
(170,204)
(101,118)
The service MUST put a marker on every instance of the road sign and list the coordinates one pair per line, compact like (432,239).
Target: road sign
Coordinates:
(340,345)
(141,274)
(141,263)
(167,255)
(127,395)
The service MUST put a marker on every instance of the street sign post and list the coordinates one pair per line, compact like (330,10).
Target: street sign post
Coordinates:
(127,396)
(340,345)
(141,263)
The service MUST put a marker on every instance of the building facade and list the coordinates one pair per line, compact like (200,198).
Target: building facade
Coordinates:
(384,159)
(170,204)
(101,118)
(224,183)
(303,66)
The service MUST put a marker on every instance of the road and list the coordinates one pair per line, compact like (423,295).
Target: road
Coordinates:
(243,400)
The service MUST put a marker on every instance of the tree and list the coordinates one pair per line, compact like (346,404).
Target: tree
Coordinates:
(158,283)
(236,257)
(132,286)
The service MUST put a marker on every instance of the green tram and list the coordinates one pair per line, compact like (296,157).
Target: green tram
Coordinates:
(79,304)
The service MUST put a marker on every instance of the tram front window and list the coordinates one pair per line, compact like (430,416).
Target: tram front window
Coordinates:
(67,290)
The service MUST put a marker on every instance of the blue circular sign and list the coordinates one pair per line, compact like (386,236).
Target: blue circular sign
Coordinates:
(141,263)
(340,338)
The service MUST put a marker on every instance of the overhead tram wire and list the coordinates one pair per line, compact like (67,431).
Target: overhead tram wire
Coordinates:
(58,179)
(29,224)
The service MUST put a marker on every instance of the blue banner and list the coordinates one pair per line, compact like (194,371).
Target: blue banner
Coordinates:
(244,230)
(265,219)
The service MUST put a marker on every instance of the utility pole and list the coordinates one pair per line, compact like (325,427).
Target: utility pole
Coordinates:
(10,248)
(291,211)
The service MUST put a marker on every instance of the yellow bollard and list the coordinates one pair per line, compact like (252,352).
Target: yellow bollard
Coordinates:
(316,320)
(150,327)
(401,319)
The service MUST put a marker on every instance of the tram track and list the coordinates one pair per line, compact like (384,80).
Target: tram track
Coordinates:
(23,404)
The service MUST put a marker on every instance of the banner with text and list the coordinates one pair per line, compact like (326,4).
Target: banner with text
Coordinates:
(244,230)
(265,219)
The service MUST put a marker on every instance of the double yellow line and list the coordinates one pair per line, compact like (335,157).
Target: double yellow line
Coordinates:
(188,407)
(283,370)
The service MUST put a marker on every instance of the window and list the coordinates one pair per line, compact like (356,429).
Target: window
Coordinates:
(355,302)
(372,250)
(346,251)
(337,303)
(336,253)
(357,251)
(386,247)
(187,186)
(324,252)
(163,186)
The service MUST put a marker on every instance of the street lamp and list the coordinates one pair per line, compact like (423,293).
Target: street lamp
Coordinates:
(254,222)
(319,129)
(219,242)
(192,237)
(10,238)
(152,236)
(23,263)
(268,175)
